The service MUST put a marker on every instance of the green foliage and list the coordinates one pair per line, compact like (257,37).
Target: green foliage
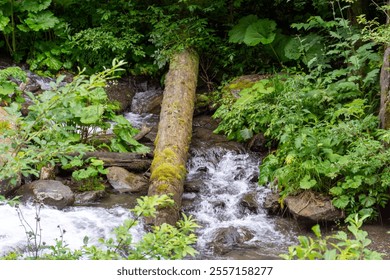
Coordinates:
(21,20)
(173,33)
(9,90)
(60,122)
(324,124)
(115,33)
(253,31)
(338,246)
(162,242)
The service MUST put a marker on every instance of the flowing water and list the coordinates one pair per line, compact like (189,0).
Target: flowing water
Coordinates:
(228,206)
(77,222)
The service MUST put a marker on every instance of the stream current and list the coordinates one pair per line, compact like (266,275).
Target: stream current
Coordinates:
(226,202)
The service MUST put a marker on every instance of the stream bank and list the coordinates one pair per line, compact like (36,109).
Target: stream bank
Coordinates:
(221,192)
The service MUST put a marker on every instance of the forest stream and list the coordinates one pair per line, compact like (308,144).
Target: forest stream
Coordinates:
(221,192)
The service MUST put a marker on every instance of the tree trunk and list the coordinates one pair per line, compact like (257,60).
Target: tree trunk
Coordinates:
(384,113)
(168,169)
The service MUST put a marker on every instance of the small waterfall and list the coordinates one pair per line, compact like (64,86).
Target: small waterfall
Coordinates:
(78,222)
(229,221)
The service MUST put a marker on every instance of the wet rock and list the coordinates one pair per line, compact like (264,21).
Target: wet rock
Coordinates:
(193,185)
(249,202)
(6,187)
(271,203)
(124,181)
(147,102)
(121,91)
(47,173)
(90,196)
(49,192)
(227,239)
(203,136)
(309,206)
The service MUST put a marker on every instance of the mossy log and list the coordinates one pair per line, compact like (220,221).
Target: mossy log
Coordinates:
(174,134)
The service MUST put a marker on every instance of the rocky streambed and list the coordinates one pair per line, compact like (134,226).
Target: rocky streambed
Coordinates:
(221,192)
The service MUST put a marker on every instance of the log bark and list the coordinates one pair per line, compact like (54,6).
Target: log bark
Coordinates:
(384,113)
(168,169)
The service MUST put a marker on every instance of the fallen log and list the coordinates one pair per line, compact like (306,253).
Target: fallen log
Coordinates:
(174,134)
(130,161)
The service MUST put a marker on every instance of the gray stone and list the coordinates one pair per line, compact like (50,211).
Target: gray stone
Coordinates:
(271,203)
(309,206)
(147,102)
(90,196)
(227,239)
(193,185)
(124,181)
(249,201)
(48,192)
(121,91)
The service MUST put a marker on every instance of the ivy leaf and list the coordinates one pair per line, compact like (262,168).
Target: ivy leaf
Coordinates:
(237,34)
(41,21)
(261,31)
(307,183)
(341,202)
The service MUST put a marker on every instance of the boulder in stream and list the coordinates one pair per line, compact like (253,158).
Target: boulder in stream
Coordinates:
(249,202)
(124,181)
(147,102)
(226,239)
(312,207)
(90,196)
(49,192)
(121,91)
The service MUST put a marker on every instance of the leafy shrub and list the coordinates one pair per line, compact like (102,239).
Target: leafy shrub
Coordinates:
(9,90)
(60,122)
(337,246)
(328,138)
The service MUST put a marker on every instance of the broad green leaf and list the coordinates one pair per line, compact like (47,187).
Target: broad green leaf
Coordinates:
(34,5)
(7,88)
(53,63)
(261,31)
(41,21)
(237,34)
(246,134)
(316,230)
(336,191)
(341,202)
(307,183)
(292,49)
(3,21)
(330,254)
(367,201)
(91,114)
